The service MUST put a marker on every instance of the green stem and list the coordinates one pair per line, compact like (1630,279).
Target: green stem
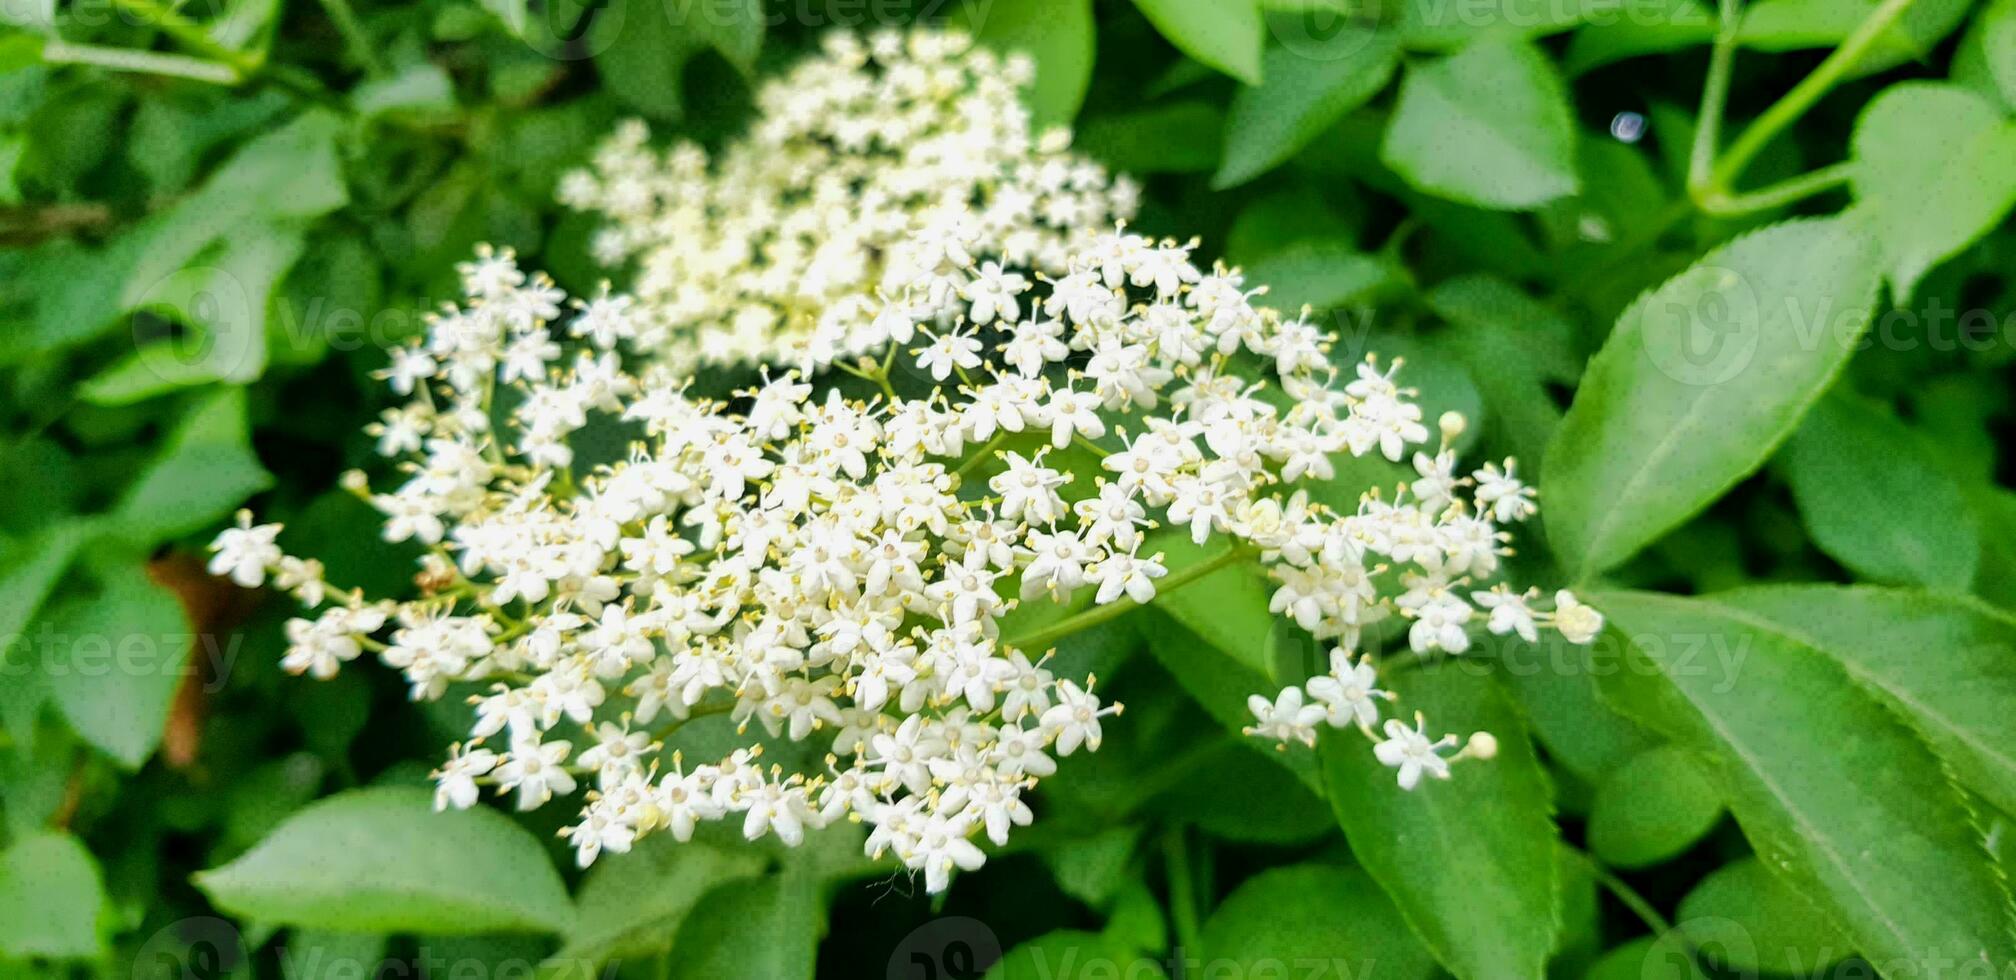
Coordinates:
(191,35)
(1794,103)
(981,455)
(1777,195)
(699,711)
(881,378)
(354,38)
(1182,891)
(1044,638)
(1714,95)
(246,66)
(56,51)
(1624,893)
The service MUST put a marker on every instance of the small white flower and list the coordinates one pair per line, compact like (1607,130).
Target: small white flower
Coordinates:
(1438,624)
(455,781)
(246,552)
(1511,612)
(1413,753)
(1349,693)
(1285,718)
(947,353)
(537,771)
(1074,719)
(1502,494)
(1126,574)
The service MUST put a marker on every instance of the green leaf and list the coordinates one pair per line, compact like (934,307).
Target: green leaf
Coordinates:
(1652,808)
(52,898)
(631,905)
(1069,954)
(1876,500)
(1220,679)
(1786,25)
(732,27)
(1058,34)
(1945,663)
(1179,137)
(1934,168)
(1225,34)
(1581,934)
(422,89)
(224,295)
(1656,26)
(1699,382)
(1514,346)
(1555,684)
(291,173)
(760,927)
(121,654)
(1488,126)
(29,570)
(283,178)
(314,954)
(374,860)
(1742,917)
(1227,608)
(204,471)
(1137,919)
(1443,25)
(641,54)
(1646,958)
(1993,41)
(1319,275)
(1309,87)
(1840,799)
(1094,869)
(1470,862)
(1236,794)
(1289,215)
(1311,914)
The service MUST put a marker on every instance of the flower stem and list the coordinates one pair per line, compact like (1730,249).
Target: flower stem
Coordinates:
(1182,890)
(1624,893)
(354,38)
(1794,103)
(56,51)
(982,454)
(1042,639)
(699,711)
(244,66)
(1714,95)
(1777,195)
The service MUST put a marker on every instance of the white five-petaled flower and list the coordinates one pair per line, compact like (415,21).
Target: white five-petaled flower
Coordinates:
(246,552)
(1285,718)
(1349,693)
(1411,751)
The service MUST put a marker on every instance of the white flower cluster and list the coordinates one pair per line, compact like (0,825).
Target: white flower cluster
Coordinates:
(868,168)
(833,562)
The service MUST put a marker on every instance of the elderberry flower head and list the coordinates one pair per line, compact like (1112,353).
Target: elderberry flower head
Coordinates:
(835,596)
(882,160)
